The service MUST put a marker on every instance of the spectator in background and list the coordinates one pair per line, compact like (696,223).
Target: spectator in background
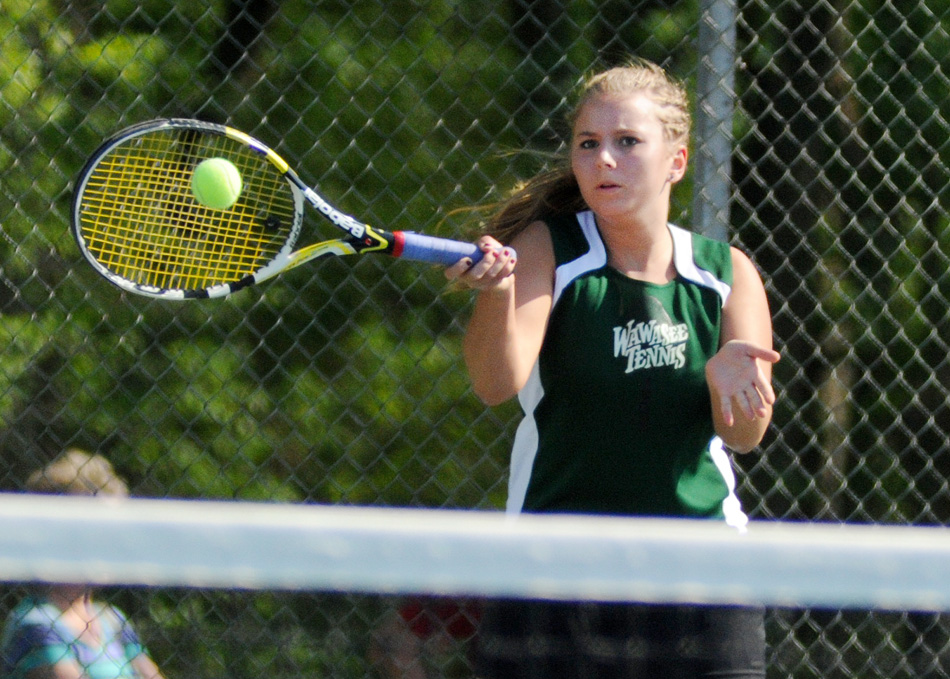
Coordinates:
(60,631)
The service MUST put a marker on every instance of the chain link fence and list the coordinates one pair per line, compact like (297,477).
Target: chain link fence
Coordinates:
(342,382)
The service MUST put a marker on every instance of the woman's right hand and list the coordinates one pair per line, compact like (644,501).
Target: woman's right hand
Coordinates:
(492,272)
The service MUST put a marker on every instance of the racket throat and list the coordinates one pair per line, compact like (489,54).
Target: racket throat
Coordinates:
(379,241)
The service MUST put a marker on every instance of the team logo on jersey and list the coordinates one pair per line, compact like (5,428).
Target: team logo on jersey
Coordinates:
(655,343)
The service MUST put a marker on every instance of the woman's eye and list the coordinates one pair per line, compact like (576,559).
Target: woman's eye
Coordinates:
(628,141)
(588,144)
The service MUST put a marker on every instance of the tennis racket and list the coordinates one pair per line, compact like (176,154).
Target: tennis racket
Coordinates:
(138,223)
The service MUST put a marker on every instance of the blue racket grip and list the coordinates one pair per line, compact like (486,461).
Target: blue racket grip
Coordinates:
(442,251)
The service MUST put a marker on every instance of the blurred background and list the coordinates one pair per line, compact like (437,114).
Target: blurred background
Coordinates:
(342,382)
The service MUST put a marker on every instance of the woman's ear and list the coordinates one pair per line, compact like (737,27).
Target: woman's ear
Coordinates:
(678,165)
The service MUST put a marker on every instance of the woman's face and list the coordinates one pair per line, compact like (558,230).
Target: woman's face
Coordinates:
(621,159)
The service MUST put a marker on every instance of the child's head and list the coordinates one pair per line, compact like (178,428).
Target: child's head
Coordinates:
(76,472)
(648,78)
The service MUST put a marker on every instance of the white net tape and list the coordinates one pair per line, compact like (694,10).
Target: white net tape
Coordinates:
(239,545)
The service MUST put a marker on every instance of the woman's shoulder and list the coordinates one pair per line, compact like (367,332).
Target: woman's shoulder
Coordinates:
(571,234)
(697,255)
(704,246)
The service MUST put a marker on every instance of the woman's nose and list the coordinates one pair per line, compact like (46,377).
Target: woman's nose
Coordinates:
(605,159)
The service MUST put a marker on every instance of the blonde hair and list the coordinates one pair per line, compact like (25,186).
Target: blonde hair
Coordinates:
(556,190)
(76,472)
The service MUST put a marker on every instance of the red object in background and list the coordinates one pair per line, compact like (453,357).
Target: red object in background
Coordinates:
(456,618)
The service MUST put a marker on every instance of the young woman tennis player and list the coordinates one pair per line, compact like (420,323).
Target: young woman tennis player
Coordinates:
(640,352)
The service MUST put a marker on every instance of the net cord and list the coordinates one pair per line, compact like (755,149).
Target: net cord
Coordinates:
(263,546)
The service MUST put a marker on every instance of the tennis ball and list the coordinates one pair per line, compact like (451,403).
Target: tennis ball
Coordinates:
(216,183)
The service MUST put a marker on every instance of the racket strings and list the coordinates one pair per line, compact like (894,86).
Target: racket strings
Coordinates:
(140,219)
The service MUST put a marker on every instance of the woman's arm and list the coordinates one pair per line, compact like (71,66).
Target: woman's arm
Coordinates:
(740,374)
(507,327)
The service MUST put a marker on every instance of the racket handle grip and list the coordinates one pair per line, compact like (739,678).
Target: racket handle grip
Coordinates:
(421,248)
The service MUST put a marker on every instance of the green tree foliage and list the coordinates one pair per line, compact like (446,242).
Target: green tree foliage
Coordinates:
(324,386)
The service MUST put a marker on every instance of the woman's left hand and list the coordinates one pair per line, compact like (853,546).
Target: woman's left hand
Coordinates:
(735,376)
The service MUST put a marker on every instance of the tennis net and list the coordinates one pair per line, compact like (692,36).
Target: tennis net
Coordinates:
(351,563)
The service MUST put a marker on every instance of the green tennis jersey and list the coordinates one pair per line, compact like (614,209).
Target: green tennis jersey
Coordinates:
(618,417)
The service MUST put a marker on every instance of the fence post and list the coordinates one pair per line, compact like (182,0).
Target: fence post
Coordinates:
(715,105)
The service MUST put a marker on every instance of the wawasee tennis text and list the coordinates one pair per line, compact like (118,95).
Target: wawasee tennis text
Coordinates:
(651,344)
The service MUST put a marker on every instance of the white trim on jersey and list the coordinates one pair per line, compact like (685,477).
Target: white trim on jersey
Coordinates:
(594,258)
(526,443)
(526,437)
(686,266)
(731,507)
